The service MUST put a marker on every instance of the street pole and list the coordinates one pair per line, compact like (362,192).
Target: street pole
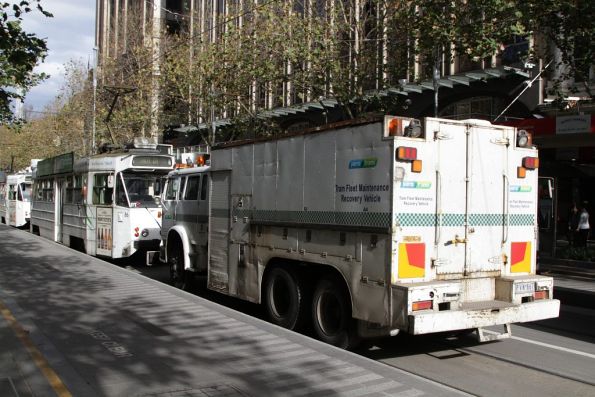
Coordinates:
(95,50)
(435,79)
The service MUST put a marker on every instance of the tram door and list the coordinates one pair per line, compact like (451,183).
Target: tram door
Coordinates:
(59,209)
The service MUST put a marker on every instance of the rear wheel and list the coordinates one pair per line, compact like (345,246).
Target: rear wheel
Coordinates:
(284,298)
(331,314)
(177,272)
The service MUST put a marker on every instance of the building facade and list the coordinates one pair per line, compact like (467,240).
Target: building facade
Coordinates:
(380,59)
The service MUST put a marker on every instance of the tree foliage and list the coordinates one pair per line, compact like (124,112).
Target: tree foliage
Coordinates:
(274,54)
(20,52)
(64,127)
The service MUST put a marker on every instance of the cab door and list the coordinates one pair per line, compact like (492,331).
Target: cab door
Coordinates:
(170,202)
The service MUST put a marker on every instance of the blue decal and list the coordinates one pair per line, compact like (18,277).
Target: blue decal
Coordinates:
(363,163)
(520,189)
(416,184)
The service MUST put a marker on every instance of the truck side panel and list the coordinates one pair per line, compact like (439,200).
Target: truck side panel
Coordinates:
(322,199)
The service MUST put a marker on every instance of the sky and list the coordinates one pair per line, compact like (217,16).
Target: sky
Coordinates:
(70,35)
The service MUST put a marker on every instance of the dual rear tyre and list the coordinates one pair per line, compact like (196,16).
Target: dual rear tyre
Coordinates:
(284,298)
(331,314)
(288,304)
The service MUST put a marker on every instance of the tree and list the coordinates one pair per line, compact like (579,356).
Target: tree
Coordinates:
(20,52)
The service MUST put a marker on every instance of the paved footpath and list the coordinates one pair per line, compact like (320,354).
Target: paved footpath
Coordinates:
(74,325)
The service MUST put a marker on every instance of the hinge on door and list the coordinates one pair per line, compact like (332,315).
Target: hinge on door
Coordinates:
(442,136)
(437,262)
(500,141)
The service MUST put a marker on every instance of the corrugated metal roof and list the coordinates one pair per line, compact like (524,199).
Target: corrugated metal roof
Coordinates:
(452,81)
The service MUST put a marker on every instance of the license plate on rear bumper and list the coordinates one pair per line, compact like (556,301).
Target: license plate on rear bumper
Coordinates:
(524,288)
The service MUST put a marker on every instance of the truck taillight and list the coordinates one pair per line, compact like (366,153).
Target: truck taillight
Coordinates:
(537,295)
(421,305)
(530,163)
(405,153)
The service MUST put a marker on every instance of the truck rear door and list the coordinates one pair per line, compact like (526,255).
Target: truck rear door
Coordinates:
(470,194)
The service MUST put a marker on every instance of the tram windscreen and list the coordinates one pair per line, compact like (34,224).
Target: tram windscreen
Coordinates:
(142,189)
(25,192)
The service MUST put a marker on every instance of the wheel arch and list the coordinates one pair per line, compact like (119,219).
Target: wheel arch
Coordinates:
(178,233)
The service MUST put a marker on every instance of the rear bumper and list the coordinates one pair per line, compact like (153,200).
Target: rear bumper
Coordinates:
(451,320)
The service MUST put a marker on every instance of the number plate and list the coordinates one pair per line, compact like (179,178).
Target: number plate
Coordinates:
(524,288)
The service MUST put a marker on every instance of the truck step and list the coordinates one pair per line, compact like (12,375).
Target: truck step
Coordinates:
(485,335)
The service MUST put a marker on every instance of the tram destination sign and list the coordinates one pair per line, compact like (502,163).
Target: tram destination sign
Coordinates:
(151,161)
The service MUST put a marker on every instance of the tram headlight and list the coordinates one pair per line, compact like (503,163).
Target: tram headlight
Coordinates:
(145,232)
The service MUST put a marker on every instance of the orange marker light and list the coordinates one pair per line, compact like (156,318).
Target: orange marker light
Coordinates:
(395,127)
(416,166)
(521,172)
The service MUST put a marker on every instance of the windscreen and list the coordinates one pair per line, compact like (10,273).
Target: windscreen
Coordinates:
(141,189)
(25,192)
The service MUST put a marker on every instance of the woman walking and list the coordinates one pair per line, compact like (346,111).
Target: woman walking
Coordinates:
(583,226)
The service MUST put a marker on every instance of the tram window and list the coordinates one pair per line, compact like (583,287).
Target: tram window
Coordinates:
(38,191)
(102,194)
(25,192)
(12,192)
(121,199)
(48,191)
(173,186)
(77,191)
(69,190)
(203,188)
(140,188)
(192,188)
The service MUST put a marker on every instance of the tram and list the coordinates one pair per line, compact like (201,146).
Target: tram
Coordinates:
(15,198)
(106,205)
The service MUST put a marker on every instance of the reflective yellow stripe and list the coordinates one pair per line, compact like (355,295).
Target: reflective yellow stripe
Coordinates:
(53,379)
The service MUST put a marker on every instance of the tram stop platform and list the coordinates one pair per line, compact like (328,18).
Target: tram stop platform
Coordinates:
(73,325)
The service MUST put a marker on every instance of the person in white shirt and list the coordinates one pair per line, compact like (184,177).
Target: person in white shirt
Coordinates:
(583,226)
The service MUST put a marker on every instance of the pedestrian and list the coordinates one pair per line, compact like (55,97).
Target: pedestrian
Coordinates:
(573,219)
(583,227)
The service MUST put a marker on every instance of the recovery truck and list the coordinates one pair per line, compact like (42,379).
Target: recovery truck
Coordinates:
(368,228)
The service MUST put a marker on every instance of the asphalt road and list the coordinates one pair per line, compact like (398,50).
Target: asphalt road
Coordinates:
(554,357)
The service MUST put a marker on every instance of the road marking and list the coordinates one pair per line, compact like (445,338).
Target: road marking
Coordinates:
(564,349)
(51,376)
